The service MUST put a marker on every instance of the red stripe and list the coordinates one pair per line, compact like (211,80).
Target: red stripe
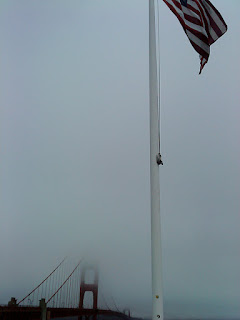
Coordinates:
(203,16)
(193,10)
(177,4)
(193,20)
(217,13)
(203,23)
(212,22)
(207,25)
(177,15)
(214,26)
(199,35)
(200,50)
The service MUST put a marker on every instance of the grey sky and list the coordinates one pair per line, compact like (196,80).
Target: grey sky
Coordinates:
(75,152)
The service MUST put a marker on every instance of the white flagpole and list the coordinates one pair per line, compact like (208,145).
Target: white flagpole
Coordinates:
(157,296)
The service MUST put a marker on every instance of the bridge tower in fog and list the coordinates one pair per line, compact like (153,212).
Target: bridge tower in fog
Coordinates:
(62,298)
(86,287)
(127,312)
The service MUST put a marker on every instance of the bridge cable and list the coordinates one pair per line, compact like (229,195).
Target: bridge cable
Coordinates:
(102,294)
(43,281)
(65,281)
(111,298)
(104,300)
(115,304)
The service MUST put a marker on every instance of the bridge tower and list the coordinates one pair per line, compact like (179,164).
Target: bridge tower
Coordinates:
(127,312)
(92,287)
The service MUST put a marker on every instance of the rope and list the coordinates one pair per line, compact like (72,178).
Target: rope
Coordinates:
(42,281)
(158,78)
(157,35)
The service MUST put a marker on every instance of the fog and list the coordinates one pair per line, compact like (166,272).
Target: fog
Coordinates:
(75,153)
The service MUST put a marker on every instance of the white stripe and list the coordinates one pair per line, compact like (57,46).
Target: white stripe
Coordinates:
(212,13)
(211,31)
(215,17)
(188,23)
(191,13)
(202,29)
(198,42)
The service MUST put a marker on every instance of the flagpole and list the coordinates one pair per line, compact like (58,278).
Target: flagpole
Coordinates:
(157,295)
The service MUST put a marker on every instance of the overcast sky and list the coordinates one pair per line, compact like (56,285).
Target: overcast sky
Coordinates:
(75,153)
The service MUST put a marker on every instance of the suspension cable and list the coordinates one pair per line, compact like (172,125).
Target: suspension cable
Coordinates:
(115,303)
(43,281)
(104,300)
(65,281)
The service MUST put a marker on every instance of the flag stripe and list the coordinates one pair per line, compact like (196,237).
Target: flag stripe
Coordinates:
(211,33)
(198,45)
(188,24)
(190,27)
(215,25)
(221,21)
(202,23)
(192,19)
(201,47)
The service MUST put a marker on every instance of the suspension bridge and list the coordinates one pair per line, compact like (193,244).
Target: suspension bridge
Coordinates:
(64,294)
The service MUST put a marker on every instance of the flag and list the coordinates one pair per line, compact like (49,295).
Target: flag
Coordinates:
(202,23)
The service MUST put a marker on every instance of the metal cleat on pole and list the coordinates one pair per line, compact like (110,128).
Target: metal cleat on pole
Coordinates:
(159,159)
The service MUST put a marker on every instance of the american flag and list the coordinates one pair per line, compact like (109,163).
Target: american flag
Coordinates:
(202,23)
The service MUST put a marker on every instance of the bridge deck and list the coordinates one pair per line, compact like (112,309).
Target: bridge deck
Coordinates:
(34,313)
